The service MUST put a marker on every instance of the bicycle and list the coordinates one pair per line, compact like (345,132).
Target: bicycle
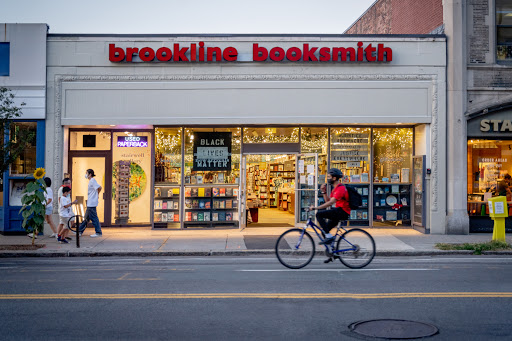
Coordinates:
(295,248)
(75,220)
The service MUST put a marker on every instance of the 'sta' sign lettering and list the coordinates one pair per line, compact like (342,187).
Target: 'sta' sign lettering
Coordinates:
(212,151)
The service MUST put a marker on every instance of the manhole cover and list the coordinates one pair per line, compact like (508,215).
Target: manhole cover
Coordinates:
(393,329)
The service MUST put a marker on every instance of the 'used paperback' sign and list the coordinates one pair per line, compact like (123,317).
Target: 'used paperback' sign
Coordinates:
(212,151)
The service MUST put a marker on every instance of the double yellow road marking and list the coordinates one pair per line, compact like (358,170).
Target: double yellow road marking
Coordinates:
(259,295)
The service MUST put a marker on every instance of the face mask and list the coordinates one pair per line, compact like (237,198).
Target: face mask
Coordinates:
(86,176)
(330,181)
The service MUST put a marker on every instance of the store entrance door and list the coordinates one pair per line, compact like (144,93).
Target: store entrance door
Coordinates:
(97,161)
(307,185)
(268,190)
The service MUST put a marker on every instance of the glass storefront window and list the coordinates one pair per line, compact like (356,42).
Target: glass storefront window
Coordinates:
(213,176)
(25,163)
(350,152)
(89,140)
(168,155)
(392,162)
(504,30)
(489,168)
(271,135)
(392,154)
(313,140)
(131,177)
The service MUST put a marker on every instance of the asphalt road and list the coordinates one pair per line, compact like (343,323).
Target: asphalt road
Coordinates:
(244,298)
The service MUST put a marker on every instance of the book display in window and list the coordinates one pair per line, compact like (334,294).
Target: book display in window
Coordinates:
(166,206)
(211,206)
(359,216)
(392,204)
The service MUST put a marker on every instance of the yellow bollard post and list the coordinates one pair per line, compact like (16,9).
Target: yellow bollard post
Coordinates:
(498,211)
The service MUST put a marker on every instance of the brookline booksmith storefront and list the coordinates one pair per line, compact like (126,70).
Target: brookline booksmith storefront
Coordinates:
(214,131)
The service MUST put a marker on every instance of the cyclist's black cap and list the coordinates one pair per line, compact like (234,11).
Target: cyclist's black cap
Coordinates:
(335,172)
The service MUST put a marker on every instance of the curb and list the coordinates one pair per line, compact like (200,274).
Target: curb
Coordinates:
(219,253)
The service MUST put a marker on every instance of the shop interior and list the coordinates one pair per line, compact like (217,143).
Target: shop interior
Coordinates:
(270,184)
(489,170)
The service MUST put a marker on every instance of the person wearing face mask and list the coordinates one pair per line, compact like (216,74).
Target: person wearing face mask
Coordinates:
(329,218)
(93,192)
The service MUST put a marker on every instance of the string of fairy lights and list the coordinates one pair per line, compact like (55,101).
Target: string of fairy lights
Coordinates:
(392,145)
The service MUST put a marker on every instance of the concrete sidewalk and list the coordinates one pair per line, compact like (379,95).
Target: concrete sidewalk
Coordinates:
(143,241)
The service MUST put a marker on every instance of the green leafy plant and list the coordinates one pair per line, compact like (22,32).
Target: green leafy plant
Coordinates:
(477,247)
(34,203)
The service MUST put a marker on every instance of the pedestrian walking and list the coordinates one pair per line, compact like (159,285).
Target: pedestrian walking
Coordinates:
(93,192)
(48,196)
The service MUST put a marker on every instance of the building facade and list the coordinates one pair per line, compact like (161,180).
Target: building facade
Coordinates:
(479,97)
(191,131)
(23,72)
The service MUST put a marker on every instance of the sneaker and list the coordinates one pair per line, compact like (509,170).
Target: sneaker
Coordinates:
(58,238)
(63,241)
(95,235)
(53,235)
(31,235)
(327,241)
(74,232)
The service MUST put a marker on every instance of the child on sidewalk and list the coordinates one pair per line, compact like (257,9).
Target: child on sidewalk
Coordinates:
(65,213)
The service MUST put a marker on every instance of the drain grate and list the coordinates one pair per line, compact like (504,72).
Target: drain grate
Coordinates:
(393,329)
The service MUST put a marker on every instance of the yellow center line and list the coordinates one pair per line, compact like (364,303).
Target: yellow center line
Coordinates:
(261,295)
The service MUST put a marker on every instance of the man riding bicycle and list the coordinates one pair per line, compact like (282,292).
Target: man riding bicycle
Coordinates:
(329,218)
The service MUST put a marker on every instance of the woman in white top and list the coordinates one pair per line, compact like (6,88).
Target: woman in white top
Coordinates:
(48,196)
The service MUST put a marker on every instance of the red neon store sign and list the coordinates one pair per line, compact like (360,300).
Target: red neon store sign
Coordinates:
(200,53)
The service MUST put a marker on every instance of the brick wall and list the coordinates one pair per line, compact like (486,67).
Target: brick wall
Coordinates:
(400,17)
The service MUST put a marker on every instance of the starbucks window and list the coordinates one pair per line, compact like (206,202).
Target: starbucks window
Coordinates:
(489,173)
(350,152)
(392,170)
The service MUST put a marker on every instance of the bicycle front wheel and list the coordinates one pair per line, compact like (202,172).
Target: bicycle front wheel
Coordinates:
(295,248)
(355,248)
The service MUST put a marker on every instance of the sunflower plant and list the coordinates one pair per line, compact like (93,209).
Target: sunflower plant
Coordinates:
(33,202)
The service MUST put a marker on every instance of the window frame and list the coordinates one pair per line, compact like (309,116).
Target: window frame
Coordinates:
(7,52)
(496,28)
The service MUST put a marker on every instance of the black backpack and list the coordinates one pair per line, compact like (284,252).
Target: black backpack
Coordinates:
(354,198)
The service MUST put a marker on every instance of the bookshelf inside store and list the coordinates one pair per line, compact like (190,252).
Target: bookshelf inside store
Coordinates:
(392,203)
(167,206)
(270,183)
(211,206)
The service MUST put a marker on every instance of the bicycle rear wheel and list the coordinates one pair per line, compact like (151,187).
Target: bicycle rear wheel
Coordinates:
(355,248)
(295,248)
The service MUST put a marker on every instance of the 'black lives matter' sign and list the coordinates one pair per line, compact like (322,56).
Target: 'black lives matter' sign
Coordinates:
(212,151)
